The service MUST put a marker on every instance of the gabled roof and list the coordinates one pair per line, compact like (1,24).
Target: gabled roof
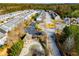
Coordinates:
(5,28)
(1,35)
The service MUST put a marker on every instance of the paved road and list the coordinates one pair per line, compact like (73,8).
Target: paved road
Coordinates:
(51,35)
(52,38)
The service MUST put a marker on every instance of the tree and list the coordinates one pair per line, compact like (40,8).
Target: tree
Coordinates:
(66,33)
(75,13)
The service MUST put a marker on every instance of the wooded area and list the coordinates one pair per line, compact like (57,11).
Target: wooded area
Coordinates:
(62,9)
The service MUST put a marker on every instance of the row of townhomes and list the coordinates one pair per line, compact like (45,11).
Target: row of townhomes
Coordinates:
(13,28)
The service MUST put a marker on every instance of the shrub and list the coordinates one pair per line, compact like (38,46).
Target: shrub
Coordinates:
(75,13)
(75,31)
(66,33)
(2,47)
(16,48)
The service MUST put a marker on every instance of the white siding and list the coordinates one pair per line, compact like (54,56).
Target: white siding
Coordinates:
(3,40)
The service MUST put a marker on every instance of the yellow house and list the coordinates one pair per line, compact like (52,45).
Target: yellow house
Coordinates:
(50,25)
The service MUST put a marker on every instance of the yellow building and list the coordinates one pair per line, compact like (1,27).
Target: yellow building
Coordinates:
(50,25)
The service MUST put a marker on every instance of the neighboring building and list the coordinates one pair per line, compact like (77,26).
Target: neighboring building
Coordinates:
(67,21)
(41,17)
(3,38)
(13,29)
(54,15)
(77,20)
(73,21)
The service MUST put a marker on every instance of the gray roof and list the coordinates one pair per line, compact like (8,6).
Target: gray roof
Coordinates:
(1,35)
(5,28)
(13,22)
